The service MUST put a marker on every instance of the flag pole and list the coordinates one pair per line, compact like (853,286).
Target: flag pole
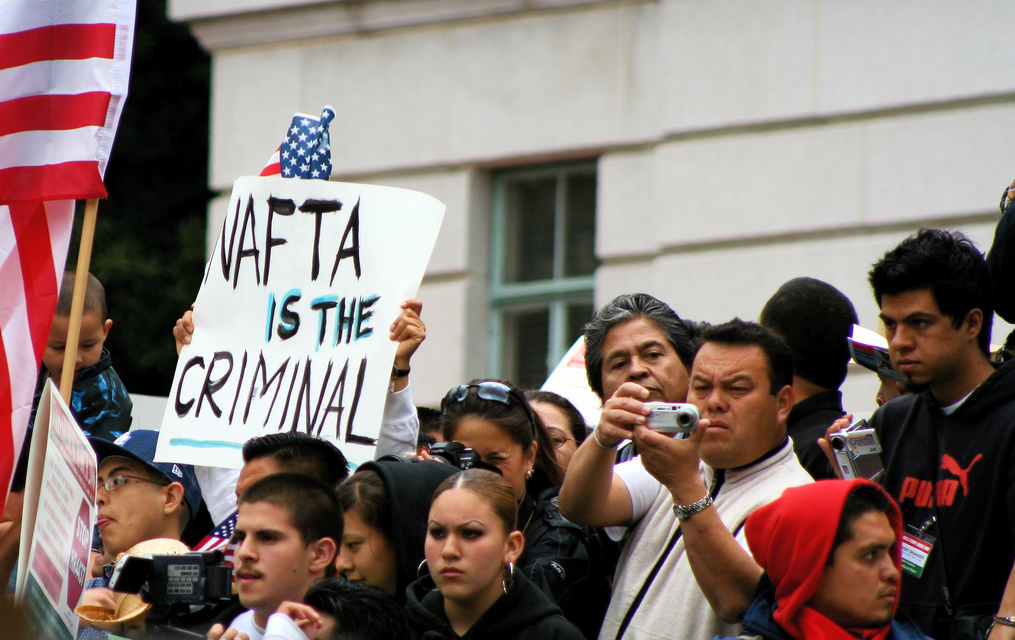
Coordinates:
(70,353)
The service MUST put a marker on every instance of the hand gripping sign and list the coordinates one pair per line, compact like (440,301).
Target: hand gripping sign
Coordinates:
(291,323)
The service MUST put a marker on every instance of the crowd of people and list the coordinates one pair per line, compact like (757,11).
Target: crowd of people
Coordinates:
(526,523)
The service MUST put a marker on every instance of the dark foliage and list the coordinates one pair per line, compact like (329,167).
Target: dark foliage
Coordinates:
(150,236)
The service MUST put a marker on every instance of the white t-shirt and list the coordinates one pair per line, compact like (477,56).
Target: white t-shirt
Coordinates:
(245,623)
(643,489)
(282,627)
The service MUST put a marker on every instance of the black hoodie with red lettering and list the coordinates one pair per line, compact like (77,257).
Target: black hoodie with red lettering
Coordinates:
(965,462)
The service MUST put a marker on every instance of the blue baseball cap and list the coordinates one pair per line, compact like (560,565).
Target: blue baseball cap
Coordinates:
(140,446)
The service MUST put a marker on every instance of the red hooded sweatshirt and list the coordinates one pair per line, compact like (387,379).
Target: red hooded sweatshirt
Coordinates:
(791,539)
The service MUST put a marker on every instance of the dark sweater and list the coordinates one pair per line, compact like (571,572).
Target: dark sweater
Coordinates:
(523,613)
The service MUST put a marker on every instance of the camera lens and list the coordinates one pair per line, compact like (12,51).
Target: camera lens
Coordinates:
(838,444)
(684,419)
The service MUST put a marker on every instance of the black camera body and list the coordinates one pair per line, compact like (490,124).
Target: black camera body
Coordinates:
(188,578)
(455,454)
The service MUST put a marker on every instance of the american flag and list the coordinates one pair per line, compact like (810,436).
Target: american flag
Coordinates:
(64,66)
(306,151)
(219,539)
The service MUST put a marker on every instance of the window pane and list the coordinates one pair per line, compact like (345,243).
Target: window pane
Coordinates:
(528,245)
(526,342)
(578,315)
(580,242)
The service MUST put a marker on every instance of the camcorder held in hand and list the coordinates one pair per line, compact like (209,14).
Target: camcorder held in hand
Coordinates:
(678,418)
(180,588)
(858,451)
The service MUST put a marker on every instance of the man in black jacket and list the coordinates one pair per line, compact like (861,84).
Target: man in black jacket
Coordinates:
(948,447)
(815,319)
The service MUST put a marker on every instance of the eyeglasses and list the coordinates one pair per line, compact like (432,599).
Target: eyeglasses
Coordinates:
(559,440)
(117,481)
(489,390)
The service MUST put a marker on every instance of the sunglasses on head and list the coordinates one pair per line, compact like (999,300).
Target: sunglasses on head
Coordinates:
(492,391)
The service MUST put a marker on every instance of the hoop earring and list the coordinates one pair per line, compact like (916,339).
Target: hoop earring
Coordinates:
(528,474)
(423,573)
(508,580)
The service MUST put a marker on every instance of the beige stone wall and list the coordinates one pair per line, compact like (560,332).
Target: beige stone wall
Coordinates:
(740,143)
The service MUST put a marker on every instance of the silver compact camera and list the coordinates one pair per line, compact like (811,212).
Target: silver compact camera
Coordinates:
(858,451)
(678,418)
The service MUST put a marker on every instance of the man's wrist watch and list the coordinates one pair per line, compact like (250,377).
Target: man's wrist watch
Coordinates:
(683,512)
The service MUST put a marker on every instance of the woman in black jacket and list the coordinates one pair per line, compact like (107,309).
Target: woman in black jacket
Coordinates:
(473,589)
(565,561)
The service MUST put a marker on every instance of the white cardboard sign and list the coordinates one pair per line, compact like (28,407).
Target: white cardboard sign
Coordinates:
(57,520)
(568,379)
(291,323)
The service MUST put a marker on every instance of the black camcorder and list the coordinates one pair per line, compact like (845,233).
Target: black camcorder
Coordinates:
(182,588)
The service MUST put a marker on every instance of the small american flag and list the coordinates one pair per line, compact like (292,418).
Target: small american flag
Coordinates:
(219,539)
(306,151)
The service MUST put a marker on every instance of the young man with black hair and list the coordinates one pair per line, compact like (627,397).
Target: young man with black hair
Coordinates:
(948,447)
(138,499)
(287,534)
(336,609)
(683,502)
(815,319)
(291,452)
(831,556)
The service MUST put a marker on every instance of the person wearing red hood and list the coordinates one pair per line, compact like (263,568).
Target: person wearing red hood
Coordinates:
(831,556)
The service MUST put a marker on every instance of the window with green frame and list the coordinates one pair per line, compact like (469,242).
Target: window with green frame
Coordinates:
(542,267)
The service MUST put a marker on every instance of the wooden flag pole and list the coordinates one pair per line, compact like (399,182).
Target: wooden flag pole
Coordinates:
(70,354)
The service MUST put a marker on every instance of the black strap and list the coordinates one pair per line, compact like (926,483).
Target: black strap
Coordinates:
(717,482)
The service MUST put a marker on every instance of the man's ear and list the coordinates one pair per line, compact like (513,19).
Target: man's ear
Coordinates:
(322,554)
(974,323)
(173,498)
(784,403)
(106,326)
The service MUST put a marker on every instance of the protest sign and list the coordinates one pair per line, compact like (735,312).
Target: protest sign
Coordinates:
(57,521)
(568,379)
(291,323)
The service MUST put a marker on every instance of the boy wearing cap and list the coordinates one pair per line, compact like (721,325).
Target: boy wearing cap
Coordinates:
(138,500)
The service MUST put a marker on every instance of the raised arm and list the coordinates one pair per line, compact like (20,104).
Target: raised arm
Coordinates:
(724,571)
(592,494)
(400,423)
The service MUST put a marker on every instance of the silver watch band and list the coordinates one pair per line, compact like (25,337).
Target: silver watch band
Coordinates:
(683,512)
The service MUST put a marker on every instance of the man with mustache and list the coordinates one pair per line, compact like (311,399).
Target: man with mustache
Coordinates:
(832,561)
(287,536)
(682,503)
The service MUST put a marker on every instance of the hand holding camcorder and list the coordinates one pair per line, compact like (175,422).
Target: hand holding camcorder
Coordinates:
(857,451)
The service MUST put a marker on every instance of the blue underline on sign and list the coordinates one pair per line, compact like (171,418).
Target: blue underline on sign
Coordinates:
(204,444)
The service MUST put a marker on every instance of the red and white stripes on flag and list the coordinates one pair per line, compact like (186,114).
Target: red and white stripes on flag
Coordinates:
(274,166)
(64,68)
(33,248)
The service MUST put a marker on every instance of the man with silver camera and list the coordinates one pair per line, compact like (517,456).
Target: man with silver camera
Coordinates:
(683,502)
(948,447)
